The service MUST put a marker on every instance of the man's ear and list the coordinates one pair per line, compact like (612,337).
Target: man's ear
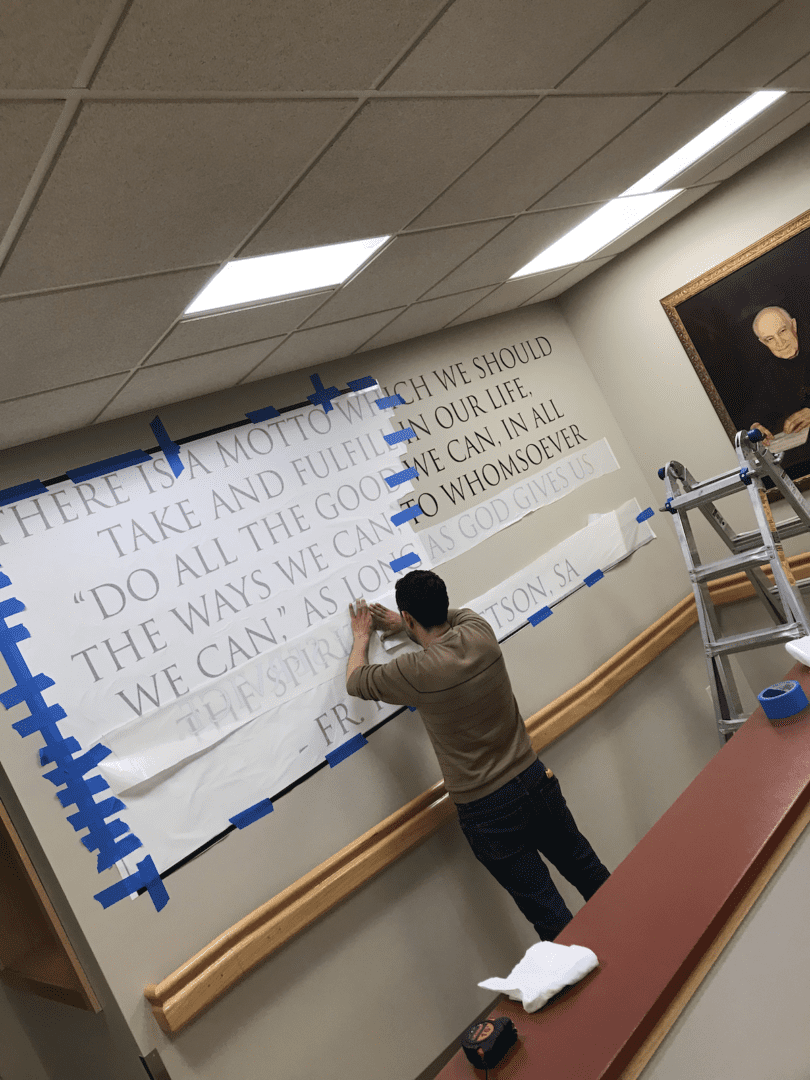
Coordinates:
(408,619)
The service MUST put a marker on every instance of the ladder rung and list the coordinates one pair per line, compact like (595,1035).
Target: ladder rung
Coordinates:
(709,493)
(749,559)
(755,639)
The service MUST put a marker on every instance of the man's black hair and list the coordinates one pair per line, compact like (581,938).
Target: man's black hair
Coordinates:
(423,595)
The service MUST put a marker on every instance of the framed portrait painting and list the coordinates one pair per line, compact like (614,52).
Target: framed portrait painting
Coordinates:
(745,326)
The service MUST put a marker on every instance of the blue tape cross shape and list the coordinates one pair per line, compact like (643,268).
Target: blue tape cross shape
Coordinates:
(170,449)
(146,877)
(323,394)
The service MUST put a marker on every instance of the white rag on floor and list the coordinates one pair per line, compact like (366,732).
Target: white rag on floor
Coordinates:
(543,972)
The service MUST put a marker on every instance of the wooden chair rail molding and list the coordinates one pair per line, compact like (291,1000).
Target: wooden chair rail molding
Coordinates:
(185,993)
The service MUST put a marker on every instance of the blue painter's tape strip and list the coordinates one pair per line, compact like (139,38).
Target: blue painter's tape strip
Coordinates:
(146,877)
(49,755)
(538,616)
(323,394)
(22,491)
(411,708)
(592,579)
(344,751)
(111,852)
(361,384)
(169,448)
(267,413)
(405,560)
(389,402)
(401,477)
(102,837)
(108,465)
(406,515)
(648,513)
(253,813)
(400,436)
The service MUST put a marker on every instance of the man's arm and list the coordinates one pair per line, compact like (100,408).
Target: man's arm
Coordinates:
(361,631)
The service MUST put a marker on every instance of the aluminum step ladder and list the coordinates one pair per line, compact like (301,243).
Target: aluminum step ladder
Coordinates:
(750,552)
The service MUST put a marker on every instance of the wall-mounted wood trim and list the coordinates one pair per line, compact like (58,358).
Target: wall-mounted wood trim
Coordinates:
(185,993)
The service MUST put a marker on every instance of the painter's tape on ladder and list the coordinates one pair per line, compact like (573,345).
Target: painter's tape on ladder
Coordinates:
(783,699)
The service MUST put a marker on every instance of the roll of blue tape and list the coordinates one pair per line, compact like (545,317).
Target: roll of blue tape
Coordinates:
(783,699)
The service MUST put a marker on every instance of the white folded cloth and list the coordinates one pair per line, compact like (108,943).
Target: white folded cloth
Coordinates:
(799,649)
(543,972)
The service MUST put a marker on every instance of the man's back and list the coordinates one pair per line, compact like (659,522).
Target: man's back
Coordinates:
(461,687)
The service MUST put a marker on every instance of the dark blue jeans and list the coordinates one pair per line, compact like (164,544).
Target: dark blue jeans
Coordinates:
(509,830)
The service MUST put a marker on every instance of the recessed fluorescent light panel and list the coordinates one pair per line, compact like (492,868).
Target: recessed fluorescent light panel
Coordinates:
(266,277)
(611,220)
(716,133)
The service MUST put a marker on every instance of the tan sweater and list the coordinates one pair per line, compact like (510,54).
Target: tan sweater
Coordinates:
(461,687)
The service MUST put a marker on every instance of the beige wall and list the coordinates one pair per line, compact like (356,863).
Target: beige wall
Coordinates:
(414,943)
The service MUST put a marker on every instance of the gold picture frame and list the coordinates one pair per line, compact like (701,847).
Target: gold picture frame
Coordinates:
(714,315)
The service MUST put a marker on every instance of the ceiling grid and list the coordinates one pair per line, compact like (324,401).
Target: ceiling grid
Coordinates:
(147,144)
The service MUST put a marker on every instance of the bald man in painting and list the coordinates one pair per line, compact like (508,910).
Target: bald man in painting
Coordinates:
(783,401)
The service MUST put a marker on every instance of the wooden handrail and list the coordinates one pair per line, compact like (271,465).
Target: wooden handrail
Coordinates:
(214,970)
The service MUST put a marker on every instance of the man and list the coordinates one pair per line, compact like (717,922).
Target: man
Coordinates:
(509,805)
(784,397)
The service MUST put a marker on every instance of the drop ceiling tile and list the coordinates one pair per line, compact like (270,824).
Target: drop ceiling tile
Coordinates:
(242,45)
(779,38)
(42,415)
(540,151)
(789,126)
(153,186)
(406,269)
(797,76)
(193,376)
(44,42)
(662,44)
(509,296)
(514,44)
(570,277)
(60,338)
(321,344)
(425,318)
(645,144)
(766,131)
(519,242)
(209,332)
(391,161)
(25,128)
